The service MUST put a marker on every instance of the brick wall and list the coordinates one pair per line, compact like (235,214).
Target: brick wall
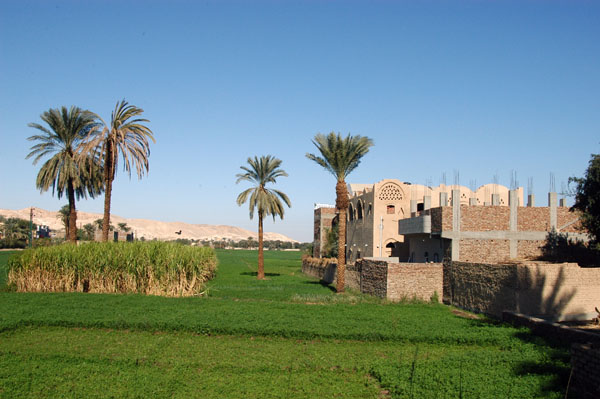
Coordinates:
(565,217)
(414,280)
(484,218)
(533,219)
(486,251)
(446,218)
(529,249)
(553,291)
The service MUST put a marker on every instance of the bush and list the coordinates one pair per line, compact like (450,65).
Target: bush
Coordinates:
(154,268)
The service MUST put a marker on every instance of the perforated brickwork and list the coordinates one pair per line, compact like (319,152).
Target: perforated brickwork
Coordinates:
(390,192)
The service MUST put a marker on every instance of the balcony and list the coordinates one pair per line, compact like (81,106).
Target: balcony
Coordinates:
(415,225)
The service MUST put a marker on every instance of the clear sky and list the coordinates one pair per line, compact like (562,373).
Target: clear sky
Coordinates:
(478,87)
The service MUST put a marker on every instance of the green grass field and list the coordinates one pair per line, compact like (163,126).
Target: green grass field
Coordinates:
(285,337)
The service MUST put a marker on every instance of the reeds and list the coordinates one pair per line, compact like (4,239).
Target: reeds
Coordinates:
(153,268)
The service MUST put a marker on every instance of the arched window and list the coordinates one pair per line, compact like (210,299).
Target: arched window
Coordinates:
(436,257)
(370,209)
(426,256)
(351,212)
(359,210)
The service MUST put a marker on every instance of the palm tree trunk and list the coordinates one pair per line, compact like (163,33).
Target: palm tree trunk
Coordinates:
(108,179)
(261,256)
(72,233)
(341,203)
(341,258)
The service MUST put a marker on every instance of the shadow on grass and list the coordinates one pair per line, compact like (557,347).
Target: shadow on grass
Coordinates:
(322,283)
(256,274)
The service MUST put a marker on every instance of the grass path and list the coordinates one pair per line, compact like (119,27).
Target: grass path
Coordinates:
(286,337)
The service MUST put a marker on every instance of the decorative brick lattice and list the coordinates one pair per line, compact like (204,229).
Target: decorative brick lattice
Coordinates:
(390,192)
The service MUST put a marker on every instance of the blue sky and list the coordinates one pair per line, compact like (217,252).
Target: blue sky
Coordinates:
(482,88)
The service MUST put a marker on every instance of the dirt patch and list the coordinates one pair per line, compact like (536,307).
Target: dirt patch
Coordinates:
(464,315)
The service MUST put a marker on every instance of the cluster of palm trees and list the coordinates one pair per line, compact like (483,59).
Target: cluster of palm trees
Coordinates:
(338,155)
(84,151)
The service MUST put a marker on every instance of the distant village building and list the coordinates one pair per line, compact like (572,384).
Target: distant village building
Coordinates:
(417,223)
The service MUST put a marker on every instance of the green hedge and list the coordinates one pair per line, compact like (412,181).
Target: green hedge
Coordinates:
(154,268)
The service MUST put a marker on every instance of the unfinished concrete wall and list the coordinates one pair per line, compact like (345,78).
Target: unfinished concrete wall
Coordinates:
(551,291)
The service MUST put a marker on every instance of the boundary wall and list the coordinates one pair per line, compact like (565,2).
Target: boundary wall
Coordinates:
(390,280)
(563,291)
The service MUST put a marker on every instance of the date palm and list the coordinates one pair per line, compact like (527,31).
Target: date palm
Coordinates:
(340,156)
(260,172)
(127,135)
(67,171)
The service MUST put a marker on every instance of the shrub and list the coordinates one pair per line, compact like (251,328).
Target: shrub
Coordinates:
(154,268)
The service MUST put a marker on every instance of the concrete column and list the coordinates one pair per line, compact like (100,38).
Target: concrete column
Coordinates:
(562,202)
(495,199)
(531,200)
(513,201)
(427,202)
(443,199)
(472,201)
(456,210)
(456,224)
(413,207)
(552,205)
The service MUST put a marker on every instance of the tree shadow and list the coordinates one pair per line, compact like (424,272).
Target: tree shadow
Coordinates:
(322,283)
(256,274)
(534,290)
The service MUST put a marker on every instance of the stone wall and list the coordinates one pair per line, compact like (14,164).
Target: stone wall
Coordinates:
(325,269)
(394,281)
(551,291)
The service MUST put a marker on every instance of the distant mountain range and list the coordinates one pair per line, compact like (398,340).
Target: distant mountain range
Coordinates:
(149,229)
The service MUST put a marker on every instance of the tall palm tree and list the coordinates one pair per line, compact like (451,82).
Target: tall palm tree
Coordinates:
(340,156)
(67,171)
(262,171)
(128,135)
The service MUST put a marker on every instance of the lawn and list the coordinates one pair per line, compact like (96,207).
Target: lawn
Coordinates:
(285,337)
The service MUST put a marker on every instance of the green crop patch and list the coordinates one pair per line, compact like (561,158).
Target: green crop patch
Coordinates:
(285,336)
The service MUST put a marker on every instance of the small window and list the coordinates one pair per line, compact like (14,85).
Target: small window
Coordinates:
(358,255)
(370,209)
(426,256)
(436,257)
(391,209)
(420,207)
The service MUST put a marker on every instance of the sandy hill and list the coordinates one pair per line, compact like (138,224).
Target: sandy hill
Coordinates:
(149,229)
